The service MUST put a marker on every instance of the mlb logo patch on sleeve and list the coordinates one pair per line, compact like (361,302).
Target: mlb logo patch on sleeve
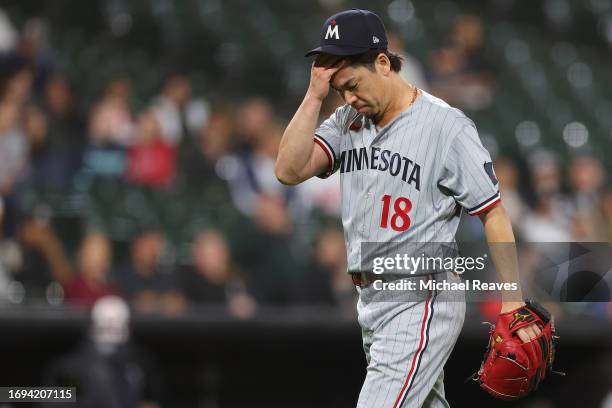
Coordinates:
(488,166)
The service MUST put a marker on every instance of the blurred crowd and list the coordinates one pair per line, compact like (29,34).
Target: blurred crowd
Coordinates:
(216,160)
(171,205)
(174,204)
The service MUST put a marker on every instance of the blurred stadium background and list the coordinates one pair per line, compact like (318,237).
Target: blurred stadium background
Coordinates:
(137,146)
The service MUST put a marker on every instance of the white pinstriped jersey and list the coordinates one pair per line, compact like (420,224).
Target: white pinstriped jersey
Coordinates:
(407,181)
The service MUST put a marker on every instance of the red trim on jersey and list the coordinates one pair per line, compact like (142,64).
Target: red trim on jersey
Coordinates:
(330,159)
(488,207)
(416,355)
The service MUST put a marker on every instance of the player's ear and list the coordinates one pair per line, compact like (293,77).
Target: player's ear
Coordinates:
(382,63)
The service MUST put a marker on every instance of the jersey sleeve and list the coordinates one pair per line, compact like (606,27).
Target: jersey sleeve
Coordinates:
(327,136)
(468,173)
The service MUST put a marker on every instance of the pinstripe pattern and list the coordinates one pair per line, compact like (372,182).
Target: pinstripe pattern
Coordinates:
(444,144)
(418,355)
(431,155)
(391,337)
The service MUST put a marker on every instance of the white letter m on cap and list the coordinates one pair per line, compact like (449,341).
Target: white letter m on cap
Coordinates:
(332,31)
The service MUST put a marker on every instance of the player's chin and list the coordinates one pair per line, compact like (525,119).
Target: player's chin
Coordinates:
(365,110)
(368,113)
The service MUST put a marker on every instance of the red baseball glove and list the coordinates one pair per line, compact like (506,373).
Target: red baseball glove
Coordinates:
(512,369)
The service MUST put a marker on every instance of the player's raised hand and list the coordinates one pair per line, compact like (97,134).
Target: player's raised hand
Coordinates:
(323,69)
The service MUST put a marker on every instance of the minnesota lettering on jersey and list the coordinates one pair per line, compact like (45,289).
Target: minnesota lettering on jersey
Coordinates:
(385,160)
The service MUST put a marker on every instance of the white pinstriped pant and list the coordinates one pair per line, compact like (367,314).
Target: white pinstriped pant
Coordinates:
(406,346)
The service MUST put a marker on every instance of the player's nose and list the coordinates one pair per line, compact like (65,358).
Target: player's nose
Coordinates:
(350,97)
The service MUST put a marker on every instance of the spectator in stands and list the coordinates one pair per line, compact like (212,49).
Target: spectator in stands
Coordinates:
(13,148)
(13,162)
(255,117)
(213,279)
(92,281)
(508,176)
(200,167)
(170,108)
(35,258)
(216,138)
(34,123)
(34,50)
(18,87)
(11,258)
(149,283)
(470,228)
(325,281)
(586,176)
(264,250)
(103,156)
(58,98)
(107,368)
(42,259)
(252,175)
(468,36)
(8,36)
(460,73)
(151,160)
(412,70)
(585,227)
(114,109)
(66,127)
(48,166)
(271,216)
(322,195)
(550,219)
(606,213)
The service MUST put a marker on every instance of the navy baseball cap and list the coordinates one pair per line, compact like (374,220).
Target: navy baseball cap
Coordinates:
(351,32)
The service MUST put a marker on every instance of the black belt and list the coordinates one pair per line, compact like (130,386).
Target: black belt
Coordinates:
(365,279)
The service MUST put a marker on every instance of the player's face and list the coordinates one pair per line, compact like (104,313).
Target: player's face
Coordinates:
(359,87)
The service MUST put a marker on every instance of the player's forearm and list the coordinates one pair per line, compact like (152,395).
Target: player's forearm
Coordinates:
(297,143)
(498,231)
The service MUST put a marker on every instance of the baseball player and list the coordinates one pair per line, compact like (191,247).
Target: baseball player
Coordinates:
(409,163)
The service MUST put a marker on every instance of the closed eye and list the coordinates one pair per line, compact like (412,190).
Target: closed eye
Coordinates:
(350,87)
